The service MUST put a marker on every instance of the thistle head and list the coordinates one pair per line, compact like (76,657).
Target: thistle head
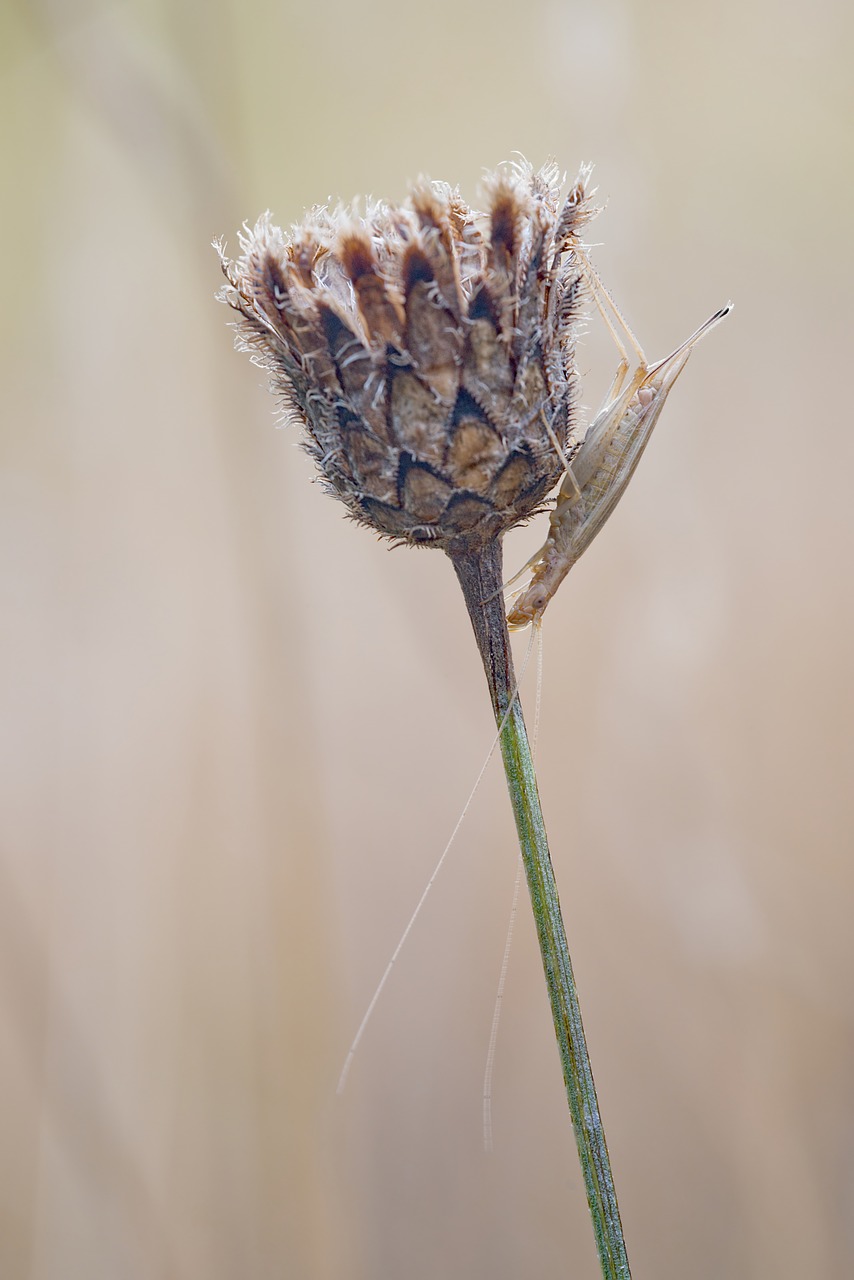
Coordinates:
(427,350)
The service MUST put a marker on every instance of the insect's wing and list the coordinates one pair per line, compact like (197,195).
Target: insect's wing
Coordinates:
(602,493)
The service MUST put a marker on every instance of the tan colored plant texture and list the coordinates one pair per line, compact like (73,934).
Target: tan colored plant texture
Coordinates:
(428,350)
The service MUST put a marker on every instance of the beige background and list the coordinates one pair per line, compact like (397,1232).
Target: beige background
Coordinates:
(236,731)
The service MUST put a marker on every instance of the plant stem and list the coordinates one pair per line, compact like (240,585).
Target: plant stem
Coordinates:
(479,572)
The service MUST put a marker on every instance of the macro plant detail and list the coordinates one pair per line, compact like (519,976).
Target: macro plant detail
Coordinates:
(428,350)
(428,353)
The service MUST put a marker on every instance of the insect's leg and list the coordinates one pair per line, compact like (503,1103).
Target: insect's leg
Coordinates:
(619,395)
(601,431)
(617,385)
(570,493)
(569,481)
(529,564)
(570,488)
(601,296)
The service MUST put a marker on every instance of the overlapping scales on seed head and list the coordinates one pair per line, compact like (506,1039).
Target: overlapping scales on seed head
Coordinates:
(427,349)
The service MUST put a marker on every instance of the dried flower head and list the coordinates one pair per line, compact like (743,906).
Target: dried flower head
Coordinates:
(427,349)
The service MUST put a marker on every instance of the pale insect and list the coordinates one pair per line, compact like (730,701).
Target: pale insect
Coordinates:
(598,473)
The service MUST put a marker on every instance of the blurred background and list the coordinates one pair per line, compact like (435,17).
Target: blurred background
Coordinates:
(236,731)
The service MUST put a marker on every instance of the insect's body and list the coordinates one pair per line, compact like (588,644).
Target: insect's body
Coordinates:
(599,472)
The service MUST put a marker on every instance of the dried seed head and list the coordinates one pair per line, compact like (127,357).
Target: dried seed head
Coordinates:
(428,350)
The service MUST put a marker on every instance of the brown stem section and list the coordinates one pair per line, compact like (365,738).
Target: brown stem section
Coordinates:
(479,572)
(480,575)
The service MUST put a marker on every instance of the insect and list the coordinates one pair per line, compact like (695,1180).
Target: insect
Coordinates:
(597,475)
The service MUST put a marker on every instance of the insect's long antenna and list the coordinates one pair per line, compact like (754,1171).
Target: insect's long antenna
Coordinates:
(351,1053)
(489,1069)
(538,705)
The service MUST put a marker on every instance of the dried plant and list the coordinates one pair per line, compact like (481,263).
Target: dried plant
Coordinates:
(428,351)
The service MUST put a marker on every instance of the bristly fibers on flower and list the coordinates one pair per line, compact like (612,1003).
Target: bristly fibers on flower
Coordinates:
(427,349)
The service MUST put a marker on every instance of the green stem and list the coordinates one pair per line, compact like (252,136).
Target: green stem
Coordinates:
(479,573)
